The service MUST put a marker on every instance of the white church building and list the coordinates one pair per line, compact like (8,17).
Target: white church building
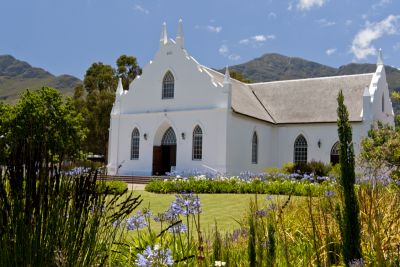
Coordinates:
(180,115)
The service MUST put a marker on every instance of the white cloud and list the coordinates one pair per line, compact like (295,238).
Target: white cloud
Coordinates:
(272,15)
(325,23)
(256,40)
(210,28)
(141,9)
(290,6)
(225,52)
(381,3)
(215,29)
(309,4)
(234,57)
(348,22)
(330,51)
(362,43)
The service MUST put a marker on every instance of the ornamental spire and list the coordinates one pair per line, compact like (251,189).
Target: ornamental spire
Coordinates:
(164,36)
(179,35)
(227,77)
(120,88)
(380,57)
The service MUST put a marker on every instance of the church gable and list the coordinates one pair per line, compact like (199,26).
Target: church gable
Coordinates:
(173,81)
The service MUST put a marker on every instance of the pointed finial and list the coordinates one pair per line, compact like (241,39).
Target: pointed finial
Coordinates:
(227,77)
(179,35)
(380,57)
(164,37)
(366,91)
(120,88)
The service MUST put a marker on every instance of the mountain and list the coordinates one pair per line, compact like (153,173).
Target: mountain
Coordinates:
(275,67)
(16,76)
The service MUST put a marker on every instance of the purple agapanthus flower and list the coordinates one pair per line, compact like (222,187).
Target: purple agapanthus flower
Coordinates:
(261,213)
(179,228)
(330,193)
(154,257)
(356,263)
(186,204)
(136,222)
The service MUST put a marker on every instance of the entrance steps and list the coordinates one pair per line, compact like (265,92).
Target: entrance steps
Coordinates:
(132,179)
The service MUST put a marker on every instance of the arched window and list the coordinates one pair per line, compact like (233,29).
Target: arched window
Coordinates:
(168,86)
(254,149)
(300,150)
(135,139)
(197,145)
(169,138)
(335,153)
(383,102)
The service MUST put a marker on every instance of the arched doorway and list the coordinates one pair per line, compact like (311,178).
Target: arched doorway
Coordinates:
(335,154)
(164,156)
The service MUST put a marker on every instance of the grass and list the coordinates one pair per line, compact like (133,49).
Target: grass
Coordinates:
(226,209)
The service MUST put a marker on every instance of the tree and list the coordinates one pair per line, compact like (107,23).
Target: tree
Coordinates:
(41,127)
(238,76)
(380,151)
(127,69)
(350,224)
(100,77)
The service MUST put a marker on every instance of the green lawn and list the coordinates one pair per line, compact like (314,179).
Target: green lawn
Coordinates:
(225,208)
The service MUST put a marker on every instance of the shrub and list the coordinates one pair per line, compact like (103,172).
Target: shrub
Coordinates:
(112,187)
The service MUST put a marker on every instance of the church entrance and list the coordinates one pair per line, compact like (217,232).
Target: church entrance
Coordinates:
(164,156)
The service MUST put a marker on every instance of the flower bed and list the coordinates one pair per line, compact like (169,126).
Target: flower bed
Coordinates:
(298,185)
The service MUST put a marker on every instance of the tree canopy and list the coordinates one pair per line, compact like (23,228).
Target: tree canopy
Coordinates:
(40,126)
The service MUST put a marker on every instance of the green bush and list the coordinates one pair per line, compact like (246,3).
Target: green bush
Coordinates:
(236,186)
(112,187)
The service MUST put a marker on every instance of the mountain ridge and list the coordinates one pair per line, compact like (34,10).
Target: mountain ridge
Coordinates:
(16,76)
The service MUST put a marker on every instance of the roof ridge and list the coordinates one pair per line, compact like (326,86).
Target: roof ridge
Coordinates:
(315,78)
(265,108)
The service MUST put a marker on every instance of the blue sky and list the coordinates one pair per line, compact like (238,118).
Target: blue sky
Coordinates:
(68,36)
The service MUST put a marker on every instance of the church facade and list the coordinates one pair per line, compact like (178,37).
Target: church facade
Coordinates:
(183,116)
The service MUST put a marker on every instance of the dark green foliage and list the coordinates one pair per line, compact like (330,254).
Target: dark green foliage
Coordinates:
(217,245)
(127,69)
(47,219)
(251,245)
(232,186)
(112,187)
(351,224)
(271,244)
(317,167)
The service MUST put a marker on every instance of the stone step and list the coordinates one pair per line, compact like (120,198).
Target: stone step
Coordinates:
(131,179)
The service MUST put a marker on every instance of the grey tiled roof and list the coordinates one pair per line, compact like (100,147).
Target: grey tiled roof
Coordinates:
(298,101)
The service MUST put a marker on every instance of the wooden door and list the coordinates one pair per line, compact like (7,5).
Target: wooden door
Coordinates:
(157,160)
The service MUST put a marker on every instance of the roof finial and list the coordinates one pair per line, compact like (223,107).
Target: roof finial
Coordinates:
(227,77)
(120,88)
(164,36)
(179,35)
(380,57)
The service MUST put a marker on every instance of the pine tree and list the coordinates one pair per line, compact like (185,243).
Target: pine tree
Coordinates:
(350,224)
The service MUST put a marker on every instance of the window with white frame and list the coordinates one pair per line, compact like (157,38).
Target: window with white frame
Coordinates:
(168,86)
(254,149)
(135,140)
(197,145)
(300,150)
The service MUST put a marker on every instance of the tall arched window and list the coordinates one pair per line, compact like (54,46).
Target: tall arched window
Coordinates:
(197,145)
(254,149)
(135,139)
(168,86)
(383,102)
(300,150)
(335,153)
